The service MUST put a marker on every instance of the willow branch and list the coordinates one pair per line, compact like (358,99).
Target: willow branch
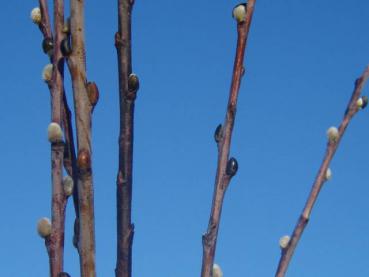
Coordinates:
(45,26)
(83,109)
(56,253)
(128,86)
(69,159)
(223,138)
(320,179)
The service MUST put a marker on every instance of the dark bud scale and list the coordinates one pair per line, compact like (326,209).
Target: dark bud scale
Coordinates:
(133,83)
(365,101)
(66,47)
(218,133)
(47,46)
(232,167)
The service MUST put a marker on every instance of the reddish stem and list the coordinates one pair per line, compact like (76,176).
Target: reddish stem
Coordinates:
(222,180)
(320,179)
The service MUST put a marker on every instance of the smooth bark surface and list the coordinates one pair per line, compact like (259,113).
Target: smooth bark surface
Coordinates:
(320,179)
(56,249)
(83,109)
(125,228)
(222,180)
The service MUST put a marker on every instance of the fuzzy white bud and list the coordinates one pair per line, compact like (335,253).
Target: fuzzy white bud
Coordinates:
(44,227)
(68,185)
(284,241)
(36,15)
(47,72)
(328,174)
(54,132)
(359,102)
(332,134)
(217,271)
(239,13)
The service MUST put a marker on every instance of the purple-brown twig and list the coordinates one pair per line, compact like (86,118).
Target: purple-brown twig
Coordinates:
(320,179)
(83,110)
(223,137)
(128,86)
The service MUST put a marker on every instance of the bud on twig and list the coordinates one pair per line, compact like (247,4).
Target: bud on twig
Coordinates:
(93,93)
(68,185)
(328,174)
(66,47)
(362,102)
(54,133)
(44,227)
(84,160)
(218,133)
(48,46)
(232,167)
(332,134)
(66,26)
(217,271)
(36,15)
(133,82)
(239,12)
(47,73)
(283,242)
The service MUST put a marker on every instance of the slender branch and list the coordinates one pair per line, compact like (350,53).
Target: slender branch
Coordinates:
(56,253)
(69,160)
(320,179)
(45,26)
(128,86)
(223,139)
(83,109)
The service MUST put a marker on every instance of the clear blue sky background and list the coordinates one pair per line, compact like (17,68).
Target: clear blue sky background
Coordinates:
(302,60)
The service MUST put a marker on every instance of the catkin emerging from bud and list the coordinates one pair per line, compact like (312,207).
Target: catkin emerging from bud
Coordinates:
(36,15)
(47,72)
(284,241)
(332,134)
(44,227)
(217,271)
(54,132)
(328,174)
(68,185)
(239,13)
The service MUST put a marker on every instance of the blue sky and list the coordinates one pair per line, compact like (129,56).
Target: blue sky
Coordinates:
(302,59)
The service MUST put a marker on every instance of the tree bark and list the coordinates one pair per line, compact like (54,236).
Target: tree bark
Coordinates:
(223,139)
(127,96)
